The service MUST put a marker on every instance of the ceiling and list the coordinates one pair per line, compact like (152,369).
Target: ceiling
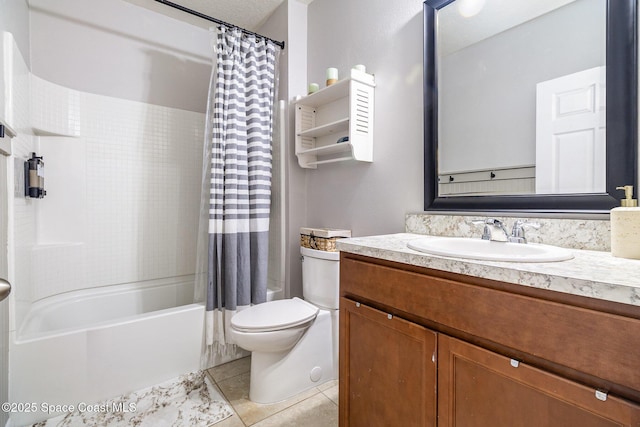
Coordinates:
(247,14)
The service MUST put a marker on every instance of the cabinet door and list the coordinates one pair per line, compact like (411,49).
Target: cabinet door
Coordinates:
(387,369)
(479,388)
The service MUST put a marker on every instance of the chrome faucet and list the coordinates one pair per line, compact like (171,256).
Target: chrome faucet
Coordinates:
(493,230)
(517,234)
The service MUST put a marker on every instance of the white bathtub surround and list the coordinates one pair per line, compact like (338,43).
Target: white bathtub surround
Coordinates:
(592,274)
(189,400)
(589,234)
(123,190)
(91,345)
(121,207)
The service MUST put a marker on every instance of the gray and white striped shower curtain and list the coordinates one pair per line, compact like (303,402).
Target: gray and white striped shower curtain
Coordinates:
(239,132)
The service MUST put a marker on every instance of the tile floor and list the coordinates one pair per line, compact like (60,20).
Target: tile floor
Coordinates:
(317,407)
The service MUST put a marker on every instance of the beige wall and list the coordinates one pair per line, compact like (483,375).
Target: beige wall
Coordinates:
(289,23)
(14,18)
(387,38)
(119,49)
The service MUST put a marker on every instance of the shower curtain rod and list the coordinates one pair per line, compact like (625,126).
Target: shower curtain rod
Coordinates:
(217,21)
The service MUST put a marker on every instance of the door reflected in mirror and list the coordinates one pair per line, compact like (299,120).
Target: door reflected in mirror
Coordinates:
(521,97)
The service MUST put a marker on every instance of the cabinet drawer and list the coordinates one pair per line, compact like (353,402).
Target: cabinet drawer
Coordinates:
(479,388)
(602,345)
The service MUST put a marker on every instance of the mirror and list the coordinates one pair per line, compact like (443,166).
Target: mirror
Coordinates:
(516,112)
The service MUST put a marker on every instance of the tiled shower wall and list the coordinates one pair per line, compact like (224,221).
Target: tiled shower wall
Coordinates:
(123,190)
(24,212)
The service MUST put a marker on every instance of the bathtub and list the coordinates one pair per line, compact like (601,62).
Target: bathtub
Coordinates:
(88,346)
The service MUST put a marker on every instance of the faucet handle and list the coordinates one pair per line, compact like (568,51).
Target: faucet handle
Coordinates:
(523,223)
(491,221)
(517,233)
(490,225)
(486,233)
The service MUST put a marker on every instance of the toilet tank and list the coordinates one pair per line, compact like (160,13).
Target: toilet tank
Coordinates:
(321,277)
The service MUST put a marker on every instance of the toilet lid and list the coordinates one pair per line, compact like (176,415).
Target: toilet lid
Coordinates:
(274,315)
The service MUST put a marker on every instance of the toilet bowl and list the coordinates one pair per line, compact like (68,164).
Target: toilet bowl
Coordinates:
(293,342)
(273,327)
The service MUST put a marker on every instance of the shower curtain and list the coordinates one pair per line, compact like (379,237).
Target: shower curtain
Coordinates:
(236,181)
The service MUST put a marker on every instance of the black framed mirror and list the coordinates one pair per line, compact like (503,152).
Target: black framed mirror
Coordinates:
(621,119)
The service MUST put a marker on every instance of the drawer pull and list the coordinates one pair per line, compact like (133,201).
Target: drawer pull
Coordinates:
(601,395)
(515,363)
(358,304)
(389,316)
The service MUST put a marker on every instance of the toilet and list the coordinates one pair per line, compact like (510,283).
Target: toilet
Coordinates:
(294,342)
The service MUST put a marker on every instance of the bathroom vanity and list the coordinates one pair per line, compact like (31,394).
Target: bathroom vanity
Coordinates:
(428,340)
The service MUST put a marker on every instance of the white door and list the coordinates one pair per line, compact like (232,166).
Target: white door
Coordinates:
(570,133)
(4,273)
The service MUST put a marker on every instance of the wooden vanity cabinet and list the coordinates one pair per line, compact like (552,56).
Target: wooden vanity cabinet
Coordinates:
(507,355)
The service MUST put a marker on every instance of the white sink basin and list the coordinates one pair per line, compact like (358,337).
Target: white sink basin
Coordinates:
(462,247)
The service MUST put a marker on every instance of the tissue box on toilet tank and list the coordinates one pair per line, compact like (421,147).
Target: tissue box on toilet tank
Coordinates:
(322,239)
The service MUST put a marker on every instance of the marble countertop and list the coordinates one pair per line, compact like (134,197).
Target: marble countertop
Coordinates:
(594,274)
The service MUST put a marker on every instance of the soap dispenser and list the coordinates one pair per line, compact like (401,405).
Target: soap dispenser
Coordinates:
(625,226)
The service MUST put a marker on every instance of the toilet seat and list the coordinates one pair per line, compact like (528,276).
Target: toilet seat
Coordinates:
(274,315)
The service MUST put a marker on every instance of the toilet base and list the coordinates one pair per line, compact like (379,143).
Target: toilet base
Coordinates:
(311,362)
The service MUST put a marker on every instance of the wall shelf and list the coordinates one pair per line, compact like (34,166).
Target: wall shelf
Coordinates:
(341,125)
(344,109)
(329,149)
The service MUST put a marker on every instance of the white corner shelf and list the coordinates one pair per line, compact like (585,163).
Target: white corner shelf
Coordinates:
(344,109)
